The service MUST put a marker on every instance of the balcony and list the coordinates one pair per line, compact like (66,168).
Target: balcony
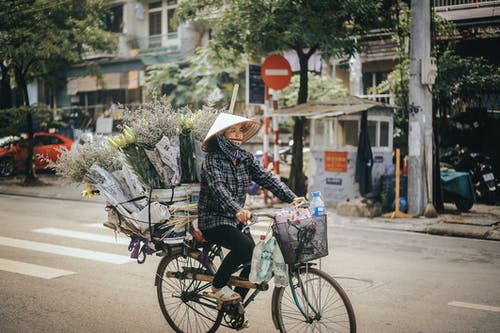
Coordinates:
(443,5)
(381,98)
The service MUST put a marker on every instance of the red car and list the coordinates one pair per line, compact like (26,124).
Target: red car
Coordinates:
(13,151)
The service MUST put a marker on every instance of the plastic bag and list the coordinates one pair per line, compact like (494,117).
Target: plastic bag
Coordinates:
(280,268)
(262,260)
(159,213)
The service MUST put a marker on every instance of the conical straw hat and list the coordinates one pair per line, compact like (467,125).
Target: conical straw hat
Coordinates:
(226,120)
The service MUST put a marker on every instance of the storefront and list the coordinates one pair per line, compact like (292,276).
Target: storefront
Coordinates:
(335,130)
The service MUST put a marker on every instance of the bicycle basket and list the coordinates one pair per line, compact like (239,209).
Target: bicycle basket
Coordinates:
(302,241)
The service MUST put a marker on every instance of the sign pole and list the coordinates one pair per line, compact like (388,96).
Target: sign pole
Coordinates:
(266,135)
(276,160)
(276,74)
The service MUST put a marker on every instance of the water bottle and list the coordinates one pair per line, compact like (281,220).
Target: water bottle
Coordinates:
(317,206)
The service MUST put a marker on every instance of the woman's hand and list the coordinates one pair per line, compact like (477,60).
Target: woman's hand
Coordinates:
(297,201)
(243,215)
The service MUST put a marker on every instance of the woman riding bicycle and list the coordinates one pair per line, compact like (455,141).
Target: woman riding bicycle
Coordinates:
(226,175)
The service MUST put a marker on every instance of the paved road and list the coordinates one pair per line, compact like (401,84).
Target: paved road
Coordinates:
(52,279)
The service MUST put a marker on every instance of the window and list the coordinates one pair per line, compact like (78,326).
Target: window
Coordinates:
(113,20)
(162,28)
(372,133)
(320,137)
(384,134)
(43,140)
(348,132)
(155,5)
(155,23)
(378,130)
(171,27)
(371,80)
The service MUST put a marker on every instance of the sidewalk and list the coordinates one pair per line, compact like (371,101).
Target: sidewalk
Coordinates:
(481,222)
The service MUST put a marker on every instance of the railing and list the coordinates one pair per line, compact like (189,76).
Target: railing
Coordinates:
(381,98)
(458,4)
(169,39)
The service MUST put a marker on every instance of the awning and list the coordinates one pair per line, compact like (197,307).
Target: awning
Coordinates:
(112,81)
(165,55)
(337,107)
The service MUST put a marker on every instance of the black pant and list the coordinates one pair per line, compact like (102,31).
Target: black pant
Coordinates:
(241,249)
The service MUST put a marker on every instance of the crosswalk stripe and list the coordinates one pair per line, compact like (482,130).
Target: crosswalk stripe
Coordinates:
(83,235)
(475,306)
(43,272)
(65,251)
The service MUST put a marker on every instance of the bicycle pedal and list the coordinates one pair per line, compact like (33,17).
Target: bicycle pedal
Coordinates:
(241,308)
(220,303)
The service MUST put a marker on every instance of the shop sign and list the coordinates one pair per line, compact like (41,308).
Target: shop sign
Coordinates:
(336,161)
(334,181)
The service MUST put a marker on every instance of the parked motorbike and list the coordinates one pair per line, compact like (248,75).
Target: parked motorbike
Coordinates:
(480,169)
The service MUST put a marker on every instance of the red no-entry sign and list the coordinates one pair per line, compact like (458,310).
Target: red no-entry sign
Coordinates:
(276,72)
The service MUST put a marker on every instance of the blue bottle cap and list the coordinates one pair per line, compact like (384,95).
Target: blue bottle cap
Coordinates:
(316,194)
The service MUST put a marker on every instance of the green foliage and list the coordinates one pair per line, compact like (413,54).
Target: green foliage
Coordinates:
(39,37)
(259,27)
(321,88)
(12,119)
(464,79)
(458,77)
(207,73)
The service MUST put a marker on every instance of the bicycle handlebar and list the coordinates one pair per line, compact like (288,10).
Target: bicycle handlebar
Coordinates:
(254,216)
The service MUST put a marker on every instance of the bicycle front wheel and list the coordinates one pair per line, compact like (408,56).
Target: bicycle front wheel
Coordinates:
(313,302)
(181,299)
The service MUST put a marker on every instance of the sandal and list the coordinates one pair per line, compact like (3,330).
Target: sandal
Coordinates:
(225,294)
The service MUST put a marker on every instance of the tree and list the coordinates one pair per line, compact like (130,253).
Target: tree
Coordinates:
(39,37)
(459,79)
(204,74)
(463,80)
(257,28)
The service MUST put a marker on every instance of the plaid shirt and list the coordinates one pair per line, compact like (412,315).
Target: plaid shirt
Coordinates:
(224,186)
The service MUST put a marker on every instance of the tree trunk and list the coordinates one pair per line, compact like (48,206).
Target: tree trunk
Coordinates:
(297,180)
(29,172)
(5,88)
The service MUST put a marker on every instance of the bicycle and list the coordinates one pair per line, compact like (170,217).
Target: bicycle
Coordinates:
(313,301)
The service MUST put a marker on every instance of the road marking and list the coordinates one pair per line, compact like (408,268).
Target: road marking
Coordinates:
(475,306)
(83,235)
(65,251)
(43,272)
(96,225)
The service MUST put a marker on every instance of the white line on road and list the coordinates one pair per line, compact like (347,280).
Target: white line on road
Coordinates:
(83,235)
(475,306)
(43,272)
(65,251)
(96,225)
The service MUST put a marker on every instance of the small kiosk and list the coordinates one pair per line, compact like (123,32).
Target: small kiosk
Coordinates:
(335,129)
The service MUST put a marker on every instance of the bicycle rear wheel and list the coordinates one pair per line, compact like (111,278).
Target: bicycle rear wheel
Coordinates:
(319,304)
(181,300)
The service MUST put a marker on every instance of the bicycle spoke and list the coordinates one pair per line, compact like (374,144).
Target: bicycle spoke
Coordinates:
(320,299)
(181,301)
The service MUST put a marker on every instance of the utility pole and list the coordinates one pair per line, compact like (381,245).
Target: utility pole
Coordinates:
(422,74)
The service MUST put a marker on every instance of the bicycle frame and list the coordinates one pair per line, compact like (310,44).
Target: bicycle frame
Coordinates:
(217,251)
(296,298)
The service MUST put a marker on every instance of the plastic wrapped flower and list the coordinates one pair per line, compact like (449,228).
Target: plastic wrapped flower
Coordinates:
(136,158)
